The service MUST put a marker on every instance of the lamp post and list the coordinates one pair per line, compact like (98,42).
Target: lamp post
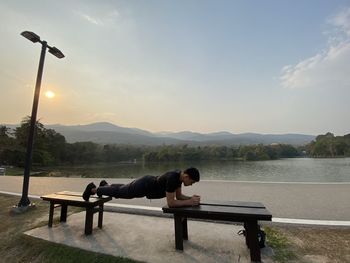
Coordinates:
(24,202)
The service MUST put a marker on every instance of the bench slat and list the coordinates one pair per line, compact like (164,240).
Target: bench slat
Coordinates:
(63,197)
(221,212)
(233,203)
(69,193)
(75,200)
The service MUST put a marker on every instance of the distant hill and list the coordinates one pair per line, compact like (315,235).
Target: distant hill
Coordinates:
(100,126)
(108,137)
(108,133)
(227,138)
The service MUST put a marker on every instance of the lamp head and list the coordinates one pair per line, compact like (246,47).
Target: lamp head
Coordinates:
(56,52)
(31,36)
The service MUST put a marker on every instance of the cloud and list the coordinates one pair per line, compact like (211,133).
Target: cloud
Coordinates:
(102,19)
(342,21)
(91,19)
(330,67)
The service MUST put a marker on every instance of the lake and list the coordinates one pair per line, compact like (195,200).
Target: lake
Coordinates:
(284,170)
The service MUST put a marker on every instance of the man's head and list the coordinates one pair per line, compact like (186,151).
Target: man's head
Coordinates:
(190,176)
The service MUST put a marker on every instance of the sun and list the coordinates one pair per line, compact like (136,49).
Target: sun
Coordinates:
(49,94)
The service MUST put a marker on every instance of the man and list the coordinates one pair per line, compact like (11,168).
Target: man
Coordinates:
(153,187)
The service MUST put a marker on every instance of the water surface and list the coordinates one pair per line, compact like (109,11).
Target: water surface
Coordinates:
(284,170)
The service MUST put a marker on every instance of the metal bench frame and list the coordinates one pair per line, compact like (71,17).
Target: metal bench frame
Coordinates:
(247,212)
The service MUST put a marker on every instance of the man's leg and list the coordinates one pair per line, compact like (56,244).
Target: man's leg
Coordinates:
(105,189)
(109,190)
(140,187)
(136,189)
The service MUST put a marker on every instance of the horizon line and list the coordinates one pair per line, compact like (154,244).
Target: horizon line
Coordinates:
(180,131)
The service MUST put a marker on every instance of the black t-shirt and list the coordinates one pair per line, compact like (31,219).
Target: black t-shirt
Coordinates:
(167,182)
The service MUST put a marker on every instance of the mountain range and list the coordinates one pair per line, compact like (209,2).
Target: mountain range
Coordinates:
(108,133)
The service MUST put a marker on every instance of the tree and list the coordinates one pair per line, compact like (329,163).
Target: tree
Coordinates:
(83,152)
(5,139)
(6,145)
(328,145)
(22,133)
(55,144)
(49,146)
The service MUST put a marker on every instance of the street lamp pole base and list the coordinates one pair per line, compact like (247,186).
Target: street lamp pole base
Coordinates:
(16,209)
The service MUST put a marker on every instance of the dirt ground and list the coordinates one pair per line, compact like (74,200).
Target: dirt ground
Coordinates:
(318,244)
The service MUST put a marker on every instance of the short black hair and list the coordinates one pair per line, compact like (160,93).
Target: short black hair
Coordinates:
(193,173)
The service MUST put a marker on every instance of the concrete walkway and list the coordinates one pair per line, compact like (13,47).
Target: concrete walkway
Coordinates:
(151,239)
(323,201)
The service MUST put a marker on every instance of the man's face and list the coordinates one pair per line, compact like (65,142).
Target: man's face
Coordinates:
(188,181)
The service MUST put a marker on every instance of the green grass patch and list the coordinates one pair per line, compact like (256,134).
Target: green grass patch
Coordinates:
(280,244)
(14,171)
(44,251)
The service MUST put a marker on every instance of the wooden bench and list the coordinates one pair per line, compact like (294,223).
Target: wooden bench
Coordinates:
(66,198)
(247,212)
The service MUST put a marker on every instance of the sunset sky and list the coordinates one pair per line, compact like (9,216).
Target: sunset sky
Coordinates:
(203,66)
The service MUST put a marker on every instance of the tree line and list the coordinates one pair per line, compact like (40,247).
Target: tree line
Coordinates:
(245,152)
(329,145)
(51,148)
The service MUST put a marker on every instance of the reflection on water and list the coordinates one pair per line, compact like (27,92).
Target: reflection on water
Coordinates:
(285,170)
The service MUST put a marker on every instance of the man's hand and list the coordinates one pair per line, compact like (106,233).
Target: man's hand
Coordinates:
(188,201)
(195,199)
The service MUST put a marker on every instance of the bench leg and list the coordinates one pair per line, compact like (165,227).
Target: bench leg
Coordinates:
(252,234)
(89,220)
(184,228)
(63,217)
(178,232)
(246,234)
(52,207)
(100,216)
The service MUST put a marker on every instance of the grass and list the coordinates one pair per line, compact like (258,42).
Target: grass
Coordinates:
(17,247)
(320,243)
(280,244)
(14,170)
(309,244)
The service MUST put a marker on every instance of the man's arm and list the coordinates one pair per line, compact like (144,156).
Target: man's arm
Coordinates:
(172,202)
(180,196)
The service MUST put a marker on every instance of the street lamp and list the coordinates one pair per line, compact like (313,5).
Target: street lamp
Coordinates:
(24,202)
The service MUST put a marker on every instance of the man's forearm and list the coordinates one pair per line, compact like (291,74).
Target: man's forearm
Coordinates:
(183,197)
(179,203)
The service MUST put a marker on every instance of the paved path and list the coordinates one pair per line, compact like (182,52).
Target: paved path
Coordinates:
(151,239)
(316,201)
